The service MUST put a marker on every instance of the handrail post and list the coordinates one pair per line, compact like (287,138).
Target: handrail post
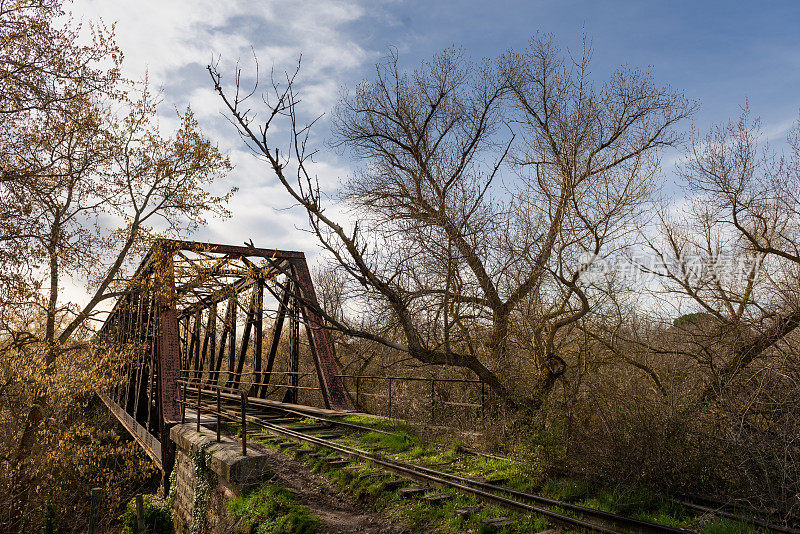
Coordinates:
(94,510)
(219,417)
(390,397)
(140,513)
(182,388)
(244,424)
(199,392)
(483,397)
(433,401)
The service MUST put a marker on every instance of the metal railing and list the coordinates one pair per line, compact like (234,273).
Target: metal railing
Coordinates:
(236,381)
(434,399)
(196,393)
(199,391)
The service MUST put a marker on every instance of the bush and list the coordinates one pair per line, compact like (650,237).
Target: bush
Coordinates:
(157,516)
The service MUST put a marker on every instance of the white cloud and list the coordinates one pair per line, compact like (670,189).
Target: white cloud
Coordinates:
(160,35)
(778,131)
(173,41)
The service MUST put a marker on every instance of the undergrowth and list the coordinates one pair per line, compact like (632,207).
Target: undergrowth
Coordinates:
(404,444)
(156,516)
(274,510)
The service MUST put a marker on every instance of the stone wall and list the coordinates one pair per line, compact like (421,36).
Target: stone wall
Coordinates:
(224,473)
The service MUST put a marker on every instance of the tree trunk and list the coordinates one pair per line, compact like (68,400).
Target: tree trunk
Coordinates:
(52,302)
(20,485)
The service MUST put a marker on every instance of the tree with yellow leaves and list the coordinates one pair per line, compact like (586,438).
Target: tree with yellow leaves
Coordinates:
(87,179)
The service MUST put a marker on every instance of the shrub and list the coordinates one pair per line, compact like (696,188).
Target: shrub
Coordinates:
(157,516)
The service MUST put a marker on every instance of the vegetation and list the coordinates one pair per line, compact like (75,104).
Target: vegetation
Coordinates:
(504,222)
(366,483)
(87,179)
(456,266)
(203,480)
(156,514)
(274,510)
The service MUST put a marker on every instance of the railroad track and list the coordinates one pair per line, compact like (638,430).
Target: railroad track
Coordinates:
(706,505)
(281,420)
(720,510)
(287,423)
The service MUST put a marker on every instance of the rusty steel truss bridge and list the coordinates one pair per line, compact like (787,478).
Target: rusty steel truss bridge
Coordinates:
(195,315)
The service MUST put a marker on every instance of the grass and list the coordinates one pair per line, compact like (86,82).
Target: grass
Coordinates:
(379,423)
(406,445)
(417,514)
(392,443)
(274,510)
(156,513)
(603,500)
(565,489)
(724,525)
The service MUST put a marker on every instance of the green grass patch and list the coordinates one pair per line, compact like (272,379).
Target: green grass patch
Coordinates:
(393,443)
(638,501)
(667,513)
(523,523)
(604,500)
(641,504)
(274,510)
(419,515)
(565,489)
(389,425)
(723,525)
(406,445)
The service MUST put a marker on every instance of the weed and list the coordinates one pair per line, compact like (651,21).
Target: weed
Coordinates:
(724,525)
(155,512)
(275,510)
(565,489)
(639,500)
(393,443)
(603,500)
(390,425)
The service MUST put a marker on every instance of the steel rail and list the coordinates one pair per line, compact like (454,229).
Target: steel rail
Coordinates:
(712,507)
(335,422)
(744,519)
(632,522)
(412,472)
(462,483)
(264,403)
(482,490)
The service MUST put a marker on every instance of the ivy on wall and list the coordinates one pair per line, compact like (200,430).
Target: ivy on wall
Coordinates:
(202,488)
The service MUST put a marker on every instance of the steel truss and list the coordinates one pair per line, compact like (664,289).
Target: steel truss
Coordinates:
(197,314)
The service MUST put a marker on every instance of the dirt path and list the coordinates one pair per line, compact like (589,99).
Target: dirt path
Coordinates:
(340,512)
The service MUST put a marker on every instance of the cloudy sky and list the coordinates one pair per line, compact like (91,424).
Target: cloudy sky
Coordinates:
(719,53)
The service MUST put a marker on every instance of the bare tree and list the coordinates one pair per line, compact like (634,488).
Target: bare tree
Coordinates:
(733,251)
(452,253)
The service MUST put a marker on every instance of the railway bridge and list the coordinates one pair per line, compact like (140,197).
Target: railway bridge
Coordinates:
(192,321)
(193,316)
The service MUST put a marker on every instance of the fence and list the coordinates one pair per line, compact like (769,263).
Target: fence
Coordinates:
(456,402)
(405,397)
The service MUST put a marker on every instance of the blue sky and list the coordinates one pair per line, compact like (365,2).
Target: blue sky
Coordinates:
(719,53)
